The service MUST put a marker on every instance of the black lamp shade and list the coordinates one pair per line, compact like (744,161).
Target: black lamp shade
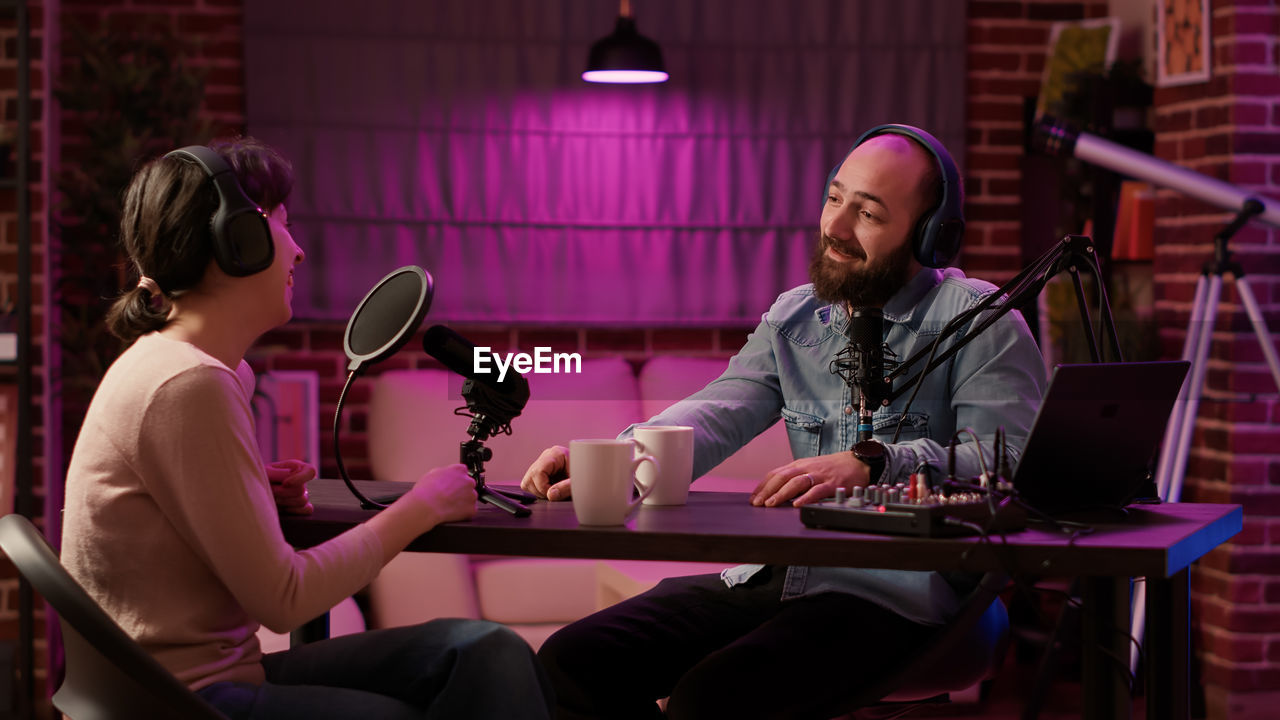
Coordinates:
(626,56)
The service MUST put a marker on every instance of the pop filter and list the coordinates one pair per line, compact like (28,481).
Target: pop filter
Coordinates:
(382,323)
(387,317)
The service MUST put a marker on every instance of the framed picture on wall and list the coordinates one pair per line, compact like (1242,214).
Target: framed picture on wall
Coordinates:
(1182,42)
(1077,51)
(286,412)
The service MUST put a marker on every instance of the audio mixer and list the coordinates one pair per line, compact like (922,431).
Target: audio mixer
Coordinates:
(897,511)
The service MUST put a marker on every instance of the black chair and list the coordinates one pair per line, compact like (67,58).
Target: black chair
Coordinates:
(108,675)
(961,654)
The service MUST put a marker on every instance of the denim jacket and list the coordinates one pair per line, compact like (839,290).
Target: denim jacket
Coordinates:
(784,371)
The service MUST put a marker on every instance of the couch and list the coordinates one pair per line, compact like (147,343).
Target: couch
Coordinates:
(412,427)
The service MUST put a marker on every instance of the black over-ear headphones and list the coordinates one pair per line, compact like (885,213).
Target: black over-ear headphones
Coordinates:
(939,232)
(242,243)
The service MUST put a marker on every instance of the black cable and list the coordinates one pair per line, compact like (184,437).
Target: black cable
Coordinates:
(337,448)
(933,350)
(977,444)
(1014,288)
(1076,604)
(982,464)
(984,532)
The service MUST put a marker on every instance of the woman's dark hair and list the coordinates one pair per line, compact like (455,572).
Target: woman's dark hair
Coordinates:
(165,225)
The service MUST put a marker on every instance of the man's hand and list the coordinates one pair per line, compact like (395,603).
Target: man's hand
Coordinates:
(289,480)
(548,476)
(811,479)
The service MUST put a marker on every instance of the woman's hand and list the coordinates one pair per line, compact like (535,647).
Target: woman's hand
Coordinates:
(809,480)
(443,494)
(448,492)
(289,480)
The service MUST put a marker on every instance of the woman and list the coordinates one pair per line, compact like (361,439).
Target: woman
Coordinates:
(171,519)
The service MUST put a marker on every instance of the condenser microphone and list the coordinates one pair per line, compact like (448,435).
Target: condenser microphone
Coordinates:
(866,338)
(1056,137)
(458,354)
(502,400)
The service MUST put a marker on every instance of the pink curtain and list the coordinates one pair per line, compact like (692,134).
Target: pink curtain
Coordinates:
(458,136)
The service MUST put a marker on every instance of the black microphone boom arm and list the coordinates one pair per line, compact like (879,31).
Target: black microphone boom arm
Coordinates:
(1071,252)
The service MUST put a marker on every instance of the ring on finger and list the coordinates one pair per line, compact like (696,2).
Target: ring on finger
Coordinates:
(812,482)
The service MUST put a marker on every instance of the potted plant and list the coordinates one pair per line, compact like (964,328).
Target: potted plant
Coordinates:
(129,94)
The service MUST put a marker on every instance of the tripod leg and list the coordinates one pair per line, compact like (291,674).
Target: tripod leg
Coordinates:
(1171,481)
(1137,626)
(1177,437)
(520,496)
(1174,429)
(502,501)
(1259,327)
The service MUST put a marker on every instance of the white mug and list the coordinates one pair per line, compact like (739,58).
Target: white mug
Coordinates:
(669,479)
(603,474)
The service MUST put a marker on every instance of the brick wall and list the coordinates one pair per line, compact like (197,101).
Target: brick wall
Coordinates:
(212,26)
(1007,49)
(1229,128)
(206,36)
(214,23)
(38,200)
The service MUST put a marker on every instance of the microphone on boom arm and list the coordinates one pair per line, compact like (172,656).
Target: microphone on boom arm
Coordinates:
(861,364)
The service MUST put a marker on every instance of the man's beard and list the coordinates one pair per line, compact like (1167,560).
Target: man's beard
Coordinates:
(869,285)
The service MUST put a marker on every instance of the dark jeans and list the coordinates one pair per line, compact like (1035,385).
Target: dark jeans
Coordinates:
(720,652)
(440,669)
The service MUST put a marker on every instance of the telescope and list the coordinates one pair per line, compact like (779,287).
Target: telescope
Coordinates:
(1055,137)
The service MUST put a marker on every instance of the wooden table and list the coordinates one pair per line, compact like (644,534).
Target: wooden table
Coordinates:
(1157,542)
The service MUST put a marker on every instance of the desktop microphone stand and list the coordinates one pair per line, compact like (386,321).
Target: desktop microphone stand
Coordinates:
(474,455)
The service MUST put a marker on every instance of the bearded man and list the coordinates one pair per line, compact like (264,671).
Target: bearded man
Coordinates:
(797,642)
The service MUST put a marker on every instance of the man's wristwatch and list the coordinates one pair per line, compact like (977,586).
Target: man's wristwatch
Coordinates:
(871,452)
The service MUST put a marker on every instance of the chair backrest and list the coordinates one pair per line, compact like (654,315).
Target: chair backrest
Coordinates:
(966,651)
(108,675)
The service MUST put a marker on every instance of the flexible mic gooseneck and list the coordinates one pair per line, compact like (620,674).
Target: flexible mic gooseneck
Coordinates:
(382,323)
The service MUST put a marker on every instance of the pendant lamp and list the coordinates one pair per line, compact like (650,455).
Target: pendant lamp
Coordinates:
(626,56)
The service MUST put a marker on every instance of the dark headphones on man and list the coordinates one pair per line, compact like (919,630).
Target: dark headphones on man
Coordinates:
(242,243)
(939,232)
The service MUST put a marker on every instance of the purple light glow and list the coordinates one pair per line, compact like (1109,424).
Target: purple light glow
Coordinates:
(624,76)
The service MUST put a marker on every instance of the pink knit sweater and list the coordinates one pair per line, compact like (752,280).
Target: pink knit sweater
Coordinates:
(170,522)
